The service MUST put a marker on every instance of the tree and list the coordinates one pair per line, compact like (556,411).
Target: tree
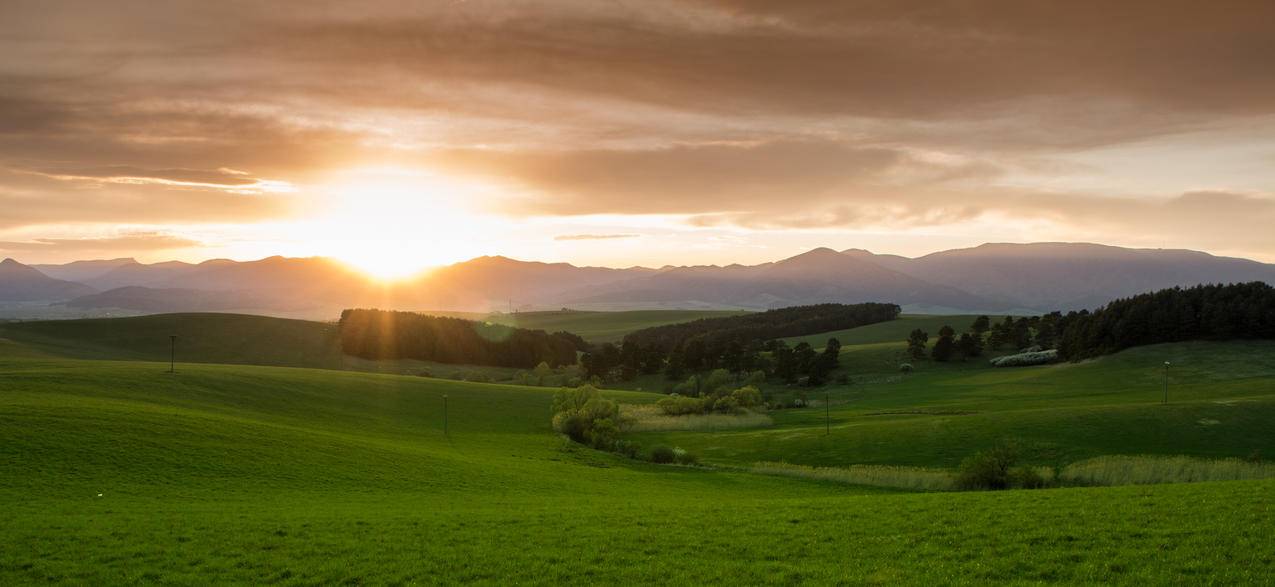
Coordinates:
(969,345)
(540,375)
(916,343)
(945,346)
(980,325)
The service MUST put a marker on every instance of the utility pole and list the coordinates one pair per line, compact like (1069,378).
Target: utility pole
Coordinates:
(172,353)
(1166,382)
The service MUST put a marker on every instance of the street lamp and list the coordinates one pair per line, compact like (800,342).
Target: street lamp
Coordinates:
(1166,382)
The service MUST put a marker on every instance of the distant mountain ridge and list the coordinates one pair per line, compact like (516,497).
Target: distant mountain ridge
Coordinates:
(20,283)
(993,277)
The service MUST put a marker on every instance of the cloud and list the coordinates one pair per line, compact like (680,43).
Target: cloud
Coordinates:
(743,113)
(140,241)
(593,237)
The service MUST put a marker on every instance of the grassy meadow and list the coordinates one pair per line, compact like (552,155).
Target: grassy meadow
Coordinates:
(119,472)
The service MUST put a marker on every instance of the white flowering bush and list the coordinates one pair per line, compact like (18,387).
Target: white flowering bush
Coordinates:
(1026,359)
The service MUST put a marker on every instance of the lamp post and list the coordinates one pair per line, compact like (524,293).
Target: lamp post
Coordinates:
(1166,382)
(172,353)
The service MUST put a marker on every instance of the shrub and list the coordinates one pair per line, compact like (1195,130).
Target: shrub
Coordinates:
(727,405)
(716,384)
(1026,359)
(578,412)
(662,454)
(683,457)
(629,449)
(689,387)
(986,470)
(603,434)
(747,396)
(676,405)
(1026,478)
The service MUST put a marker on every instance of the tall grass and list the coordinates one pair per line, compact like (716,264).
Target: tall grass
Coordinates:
(913,478)
(1147,470)
(647,418)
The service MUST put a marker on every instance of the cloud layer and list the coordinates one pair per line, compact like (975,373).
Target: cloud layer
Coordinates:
(741,114)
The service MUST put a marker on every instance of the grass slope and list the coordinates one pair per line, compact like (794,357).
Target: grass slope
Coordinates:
(599,327)
(1222,405)
(201,337)
(893,331)
(259,474)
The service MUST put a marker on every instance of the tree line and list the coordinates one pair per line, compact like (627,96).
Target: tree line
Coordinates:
(383,334)
(737,344)
(1203,312)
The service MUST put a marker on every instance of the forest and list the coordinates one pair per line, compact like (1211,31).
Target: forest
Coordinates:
(382,334)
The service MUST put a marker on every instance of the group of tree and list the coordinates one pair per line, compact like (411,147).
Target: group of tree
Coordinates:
(949,346)
(717,333)
(382,334)
(1205,312)
(738,344)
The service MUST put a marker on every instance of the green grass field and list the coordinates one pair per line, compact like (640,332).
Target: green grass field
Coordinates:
(892,331)
(599,327)
(119,472)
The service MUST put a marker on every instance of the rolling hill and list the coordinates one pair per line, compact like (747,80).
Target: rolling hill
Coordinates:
(118,472)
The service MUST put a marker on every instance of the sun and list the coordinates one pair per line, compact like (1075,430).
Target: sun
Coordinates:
(394,223)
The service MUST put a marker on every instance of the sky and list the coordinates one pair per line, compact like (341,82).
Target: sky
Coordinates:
(399,135)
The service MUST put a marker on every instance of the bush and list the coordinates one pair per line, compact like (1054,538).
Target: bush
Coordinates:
(747,396)
(1026,359)
(997,469)
(986,470)
(726,405)
(662,454)
(717,383)
(676,405)
(629,449)
(582,414)
(1026,478)
(682,457)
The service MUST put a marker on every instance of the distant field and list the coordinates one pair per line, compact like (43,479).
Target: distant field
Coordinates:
(261,340)
(203,338)
(892,331)
(601,327)
(118,472)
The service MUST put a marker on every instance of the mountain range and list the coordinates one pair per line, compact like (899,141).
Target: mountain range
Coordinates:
(987,278)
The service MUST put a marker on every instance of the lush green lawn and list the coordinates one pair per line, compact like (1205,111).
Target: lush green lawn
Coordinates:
(1222,405)
(253,474)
